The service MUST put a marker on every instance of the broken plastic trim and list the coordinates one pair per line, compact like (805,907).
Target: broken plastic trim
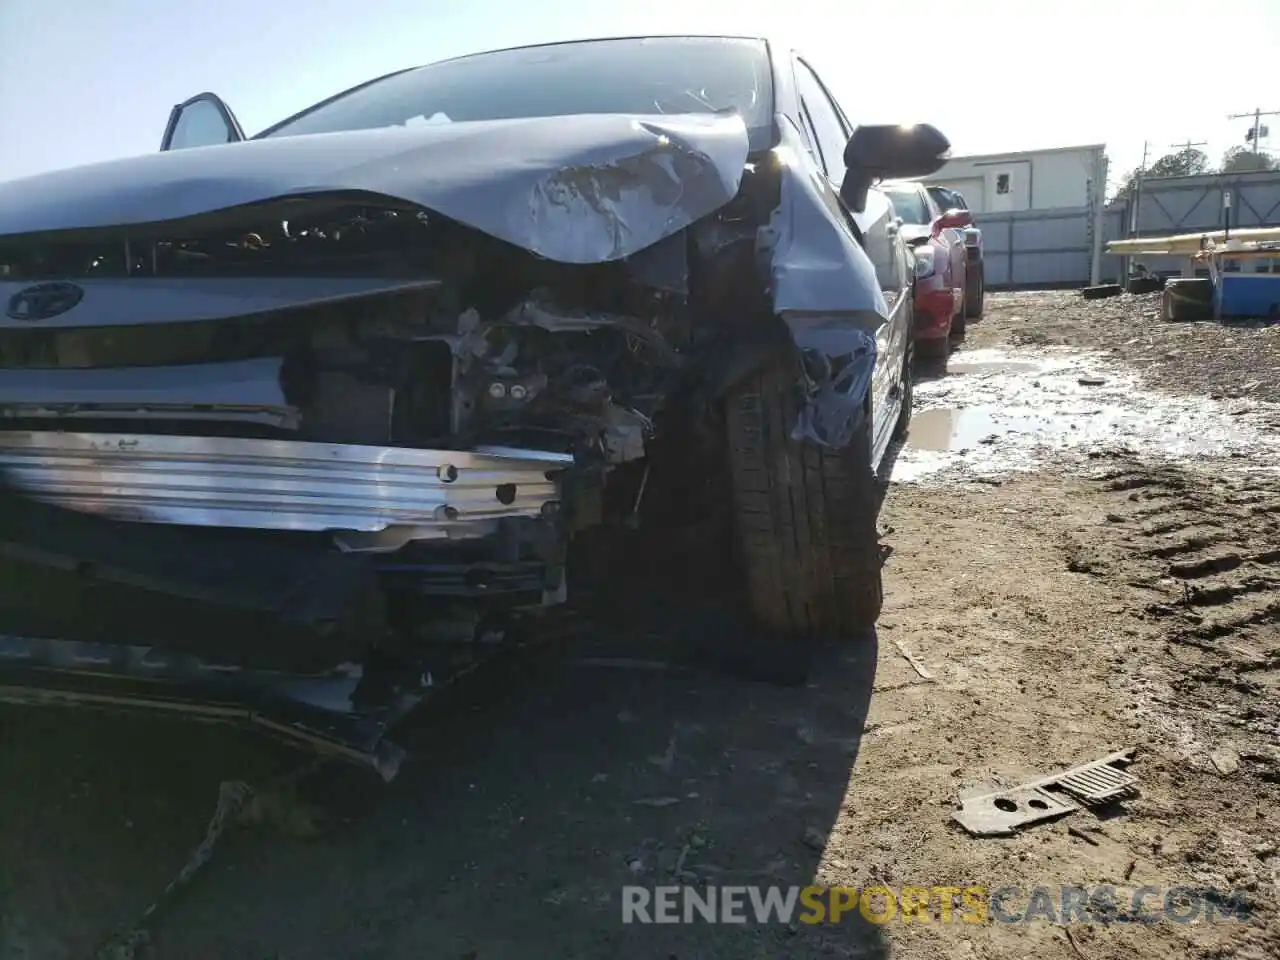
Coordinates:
(238,391)
(1001,812)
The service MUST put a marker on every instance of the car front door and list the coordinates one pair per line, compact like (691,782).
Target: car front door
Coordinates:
(831,131)
(202,121)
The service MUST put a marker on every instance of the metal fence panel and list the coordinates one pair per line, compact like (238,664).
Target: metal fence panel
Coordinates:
(1192,204)
(1027,248)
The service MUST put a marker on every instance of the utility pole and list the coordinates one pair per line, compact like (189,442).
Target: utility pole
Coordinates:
(1188,145)
(1137,191)
(1257,131)
(1134,203)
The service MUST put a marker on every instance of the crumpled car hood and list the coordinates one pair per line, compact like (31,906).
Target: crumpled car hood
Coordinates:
(579,189)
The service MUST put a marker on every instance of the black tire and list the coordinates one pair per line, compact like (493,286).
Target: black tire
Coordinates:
(975,295)
(933,352)
(805,515)
(1188,299)
(1102,290)
(1142,284)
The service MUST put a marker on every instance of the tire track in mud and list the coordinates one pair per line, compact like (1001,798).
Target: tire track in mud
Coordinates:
(1202,553)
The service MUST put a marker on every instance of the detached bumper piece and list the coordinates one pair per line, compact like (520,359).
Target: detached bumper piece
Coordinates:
(242,598)
(325,713)
(251,627)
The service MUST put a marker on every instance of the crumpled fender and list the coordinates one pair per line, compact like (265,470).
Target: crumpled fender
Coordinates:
(839,361)
(826,291)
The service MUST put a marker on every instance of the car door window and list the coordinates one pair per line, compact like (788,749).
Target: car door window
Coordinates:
(199,125)
(910,205)
(200,122)
(824,120)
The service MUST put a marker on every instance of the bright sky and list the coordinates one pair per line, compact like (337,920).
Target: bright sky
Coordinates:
(86,80)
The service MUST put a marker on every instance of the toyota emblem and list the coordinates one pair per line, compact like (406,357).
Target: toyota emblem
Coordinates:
(42,301)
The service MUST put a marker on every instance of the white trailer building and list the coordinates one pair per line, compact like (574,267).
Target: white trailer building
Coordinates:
(1040,212)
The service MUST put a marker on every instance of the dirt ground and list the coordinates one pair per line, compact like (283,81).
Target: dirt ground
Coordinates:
(1064,594)
(1176,357)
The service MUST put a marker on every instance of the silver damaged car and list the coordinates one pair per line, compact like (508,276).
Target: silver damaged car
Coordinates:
(272,404)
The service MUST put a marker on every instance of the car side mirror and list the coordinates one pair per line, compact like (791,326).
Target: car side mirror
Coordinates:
(883,152)
(952,220)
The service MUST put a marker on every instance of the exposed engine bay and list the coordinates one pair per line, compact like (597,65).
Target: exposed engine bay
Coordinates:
(494,346)
(448,431)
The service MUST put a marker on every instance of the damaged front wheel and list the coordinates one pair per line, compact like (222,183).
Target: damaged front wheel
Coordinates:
(805,515)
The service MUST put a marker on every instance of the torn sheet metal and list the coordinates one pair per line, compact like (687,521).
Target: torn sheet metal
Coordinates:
(322,712)
(1001,812)
(280,485)
(580,189)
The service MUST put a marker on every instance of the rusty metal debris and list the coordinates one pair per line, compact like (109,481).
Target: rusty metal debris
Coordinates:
(1000,813)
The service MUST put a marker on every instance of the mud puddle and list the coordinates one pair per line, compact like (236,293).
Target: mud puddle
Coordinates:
(997,412)
(942,429)
(992,366)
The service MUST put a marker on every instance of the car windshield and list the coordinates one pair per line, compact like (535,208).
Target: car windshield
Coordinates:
(910,206)
(653,75)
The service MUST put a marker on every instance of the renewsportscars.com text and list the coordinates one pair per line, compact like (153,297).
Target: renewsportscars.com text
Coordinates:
(918,904)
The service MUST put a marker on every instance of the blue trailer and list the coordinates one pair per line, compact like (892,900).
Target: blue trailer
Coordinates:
(1240,294)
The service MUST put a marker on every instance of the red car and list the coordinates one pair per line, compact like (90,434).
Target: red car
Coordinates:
(937,240)
(975,271)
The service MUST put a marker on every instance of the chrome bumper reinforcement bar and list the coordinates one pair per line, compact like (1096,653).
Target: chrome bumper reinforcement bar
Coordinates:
(281,484)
